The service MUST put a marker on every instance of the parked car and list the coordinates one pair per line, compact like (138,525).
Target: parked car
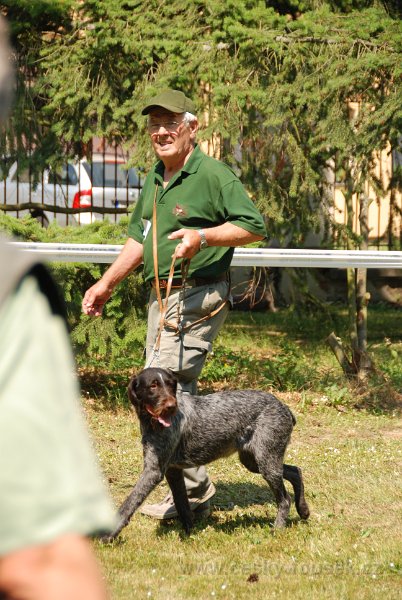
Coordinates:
(102,182)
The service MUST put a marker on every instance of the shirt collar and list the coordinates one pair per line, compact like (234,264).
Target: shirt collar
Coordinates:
(193,162)
(191,165)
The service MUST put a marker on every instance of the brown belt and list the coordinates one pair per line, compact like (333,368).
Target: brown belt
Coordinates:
(177,282)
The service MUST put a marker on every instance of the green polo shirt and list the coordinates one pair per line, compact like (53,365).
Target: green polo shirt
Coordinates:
(205,193)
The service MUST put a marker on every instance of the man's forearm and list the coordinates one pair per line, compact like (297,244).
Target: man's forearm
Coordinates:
(129,259)
(230,235)
(227,235)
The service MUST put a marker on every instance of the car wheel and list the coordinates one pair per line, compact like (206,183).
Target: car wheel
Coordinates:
(41,217)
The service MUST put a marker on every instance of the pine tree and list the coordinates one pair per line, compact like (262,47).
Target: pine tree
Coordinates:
(275,79)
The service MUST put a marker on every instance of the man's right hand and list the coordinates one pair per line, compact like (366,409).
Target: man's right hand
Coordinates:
(95,299)
(97,295)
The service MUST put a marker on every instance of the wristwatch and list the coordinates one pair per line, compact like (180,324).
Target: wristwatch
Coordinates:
(203,243)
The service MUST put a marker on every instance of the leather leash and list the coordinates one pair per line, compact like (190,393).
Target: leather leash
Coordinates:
(163,306)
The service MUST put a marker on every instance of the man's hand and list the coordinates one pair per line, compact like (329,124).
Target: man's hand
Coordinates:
(61,569)
(227,235)
(95,299)
(190,242)
(97,295)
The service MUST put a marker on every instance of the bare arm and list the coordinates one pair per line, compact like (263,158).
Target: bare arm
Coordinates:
(60,570)
(227,235)
(97,295)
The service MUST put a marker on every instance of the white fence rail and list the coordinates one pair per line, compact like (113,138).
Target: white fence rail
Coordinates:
(243,257)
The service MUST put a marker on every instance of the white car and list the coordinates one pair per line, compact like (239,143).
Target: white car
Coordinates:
(102,182)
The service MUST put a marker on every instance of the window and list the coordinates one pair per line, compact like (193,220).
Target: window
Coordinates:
(111,175)
(64,175)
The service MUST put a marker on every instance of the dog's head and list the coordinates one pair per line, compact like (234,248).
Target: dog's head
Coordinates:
(153,392)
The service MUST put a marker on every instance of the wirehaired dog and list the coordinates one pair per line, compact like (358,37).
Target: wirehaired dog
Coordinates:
(188,431)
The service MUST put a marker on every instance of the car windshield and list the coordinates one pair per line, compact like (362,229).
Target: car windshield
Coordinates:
(111,175)
(64,175)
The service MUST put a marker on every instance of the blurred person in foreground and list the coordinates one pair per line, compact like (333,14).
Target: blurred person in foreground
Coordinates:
(197,211)
(51,494)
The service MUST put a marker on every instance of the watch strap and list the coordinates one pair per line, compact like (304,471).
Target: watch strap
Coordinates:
(203,242)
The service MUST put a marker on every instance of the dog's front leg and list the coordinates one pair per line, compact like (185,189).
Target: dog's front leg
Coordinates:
(151,476)
(175,479)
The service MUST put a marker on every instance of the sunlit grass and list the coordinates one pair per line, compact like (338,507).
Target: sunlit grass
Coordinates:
(351,459)
(350,547)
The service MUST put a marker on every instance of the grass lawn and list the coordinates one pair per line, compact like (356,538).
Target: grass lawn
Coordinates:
(351,460)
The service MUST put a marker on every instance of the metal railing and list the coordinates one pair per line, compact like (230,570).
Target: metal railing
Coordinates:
(243,257)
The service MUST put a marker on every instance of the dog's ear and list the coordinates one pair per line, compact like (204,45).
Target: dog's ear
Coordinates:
(173,380)
(132,388)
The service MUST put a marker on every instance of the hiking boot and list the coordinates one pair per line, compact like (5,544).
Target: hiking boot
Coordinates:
(166,509)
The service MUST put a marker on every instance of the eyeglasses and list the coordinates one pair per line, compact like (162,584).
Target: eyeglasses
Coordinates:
(170,126)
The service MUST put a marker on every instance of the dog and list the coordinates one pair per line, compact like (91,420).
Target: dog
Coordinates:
(188,431)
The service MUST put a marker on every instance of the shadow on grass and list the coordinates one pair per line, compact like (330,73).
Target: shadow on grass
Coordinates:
(107,388)
(317,324)
(242,496)
(230,526)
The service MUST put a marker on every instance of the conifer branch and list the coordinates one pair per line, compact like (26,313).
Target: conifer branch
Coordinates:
(329,41)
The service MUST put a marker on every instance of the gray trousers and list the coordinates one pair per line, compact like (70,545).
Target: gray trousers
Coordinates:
(185,353)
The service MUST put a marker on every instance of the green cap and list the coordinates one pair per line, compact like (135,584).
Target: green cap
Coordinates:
(172,100)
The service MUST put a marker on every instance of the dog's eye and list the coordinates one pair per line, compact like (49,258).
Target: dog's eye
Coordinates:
(153,385)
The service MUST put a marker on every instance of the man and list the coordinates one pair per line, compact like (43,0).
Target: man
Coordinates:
(195,209)
(51,494)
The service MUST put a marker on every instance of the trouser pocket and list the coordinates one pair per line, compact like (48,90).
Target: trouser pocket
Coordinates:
(185,352)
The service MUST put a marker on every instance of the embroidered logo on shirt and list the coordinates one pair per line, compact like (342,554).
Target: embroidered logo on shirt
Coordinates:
(179,211)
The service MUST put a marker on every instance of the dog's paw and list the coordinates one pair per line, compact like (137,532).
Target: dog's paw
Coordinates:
(304,511)
(110,538)
(107,538)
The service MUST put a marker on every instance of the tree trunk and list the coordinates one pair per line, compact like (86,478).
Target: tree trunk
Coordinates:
(359,364)
(341,356)
(362,296)
(351,273)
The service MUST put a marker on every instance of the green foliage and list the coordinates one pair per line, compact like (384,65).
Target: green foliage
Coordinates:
(275,79)
(25,229)
(34,24)
(276,88)
(121,330)
(224,364)
(116,340)
(99,232)
(390,361)
(289,369)
(335,395)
